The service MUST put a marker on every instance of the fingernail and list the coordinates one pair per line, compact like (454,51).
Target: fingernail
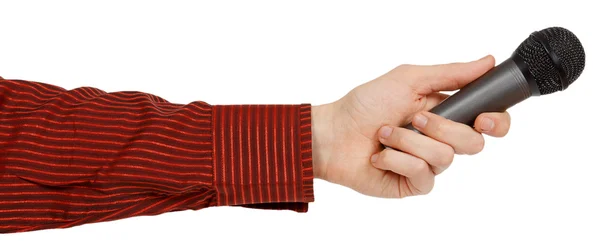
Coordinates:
(487,124)
(385,132)
(374,157)
(420,121)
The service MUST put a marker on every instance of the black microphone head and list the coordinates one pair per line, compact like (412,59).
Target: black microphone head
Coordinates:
(555,58)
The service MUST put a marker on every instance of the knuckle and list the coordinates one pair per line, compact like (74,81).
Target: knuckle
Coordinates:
(421,166)
(385,158)
(427,189)
(407,67)
(403,68)
(477,145)
(440,128)
(398,138)
(446,156)
(438,170)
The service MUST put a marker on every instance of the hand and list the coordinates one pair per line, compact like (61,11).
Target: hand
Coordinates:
(349,133)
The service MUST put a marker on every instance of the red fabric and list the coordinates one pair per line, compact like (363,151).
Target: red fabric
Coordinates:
(72,157)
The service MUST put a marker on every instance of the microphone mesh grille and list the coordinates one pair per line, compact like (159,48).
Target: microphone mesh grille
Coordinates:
(566,46)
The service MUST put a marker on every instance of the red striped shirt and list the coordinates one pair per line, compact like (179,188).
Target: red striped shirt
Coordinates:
(72,157)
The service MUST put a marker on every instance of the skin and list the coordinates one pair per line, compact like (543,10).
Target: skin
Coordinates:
(348,134)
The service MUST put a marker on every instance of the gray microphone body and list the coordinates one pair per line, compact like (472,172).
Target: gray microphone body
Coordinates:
(502,87)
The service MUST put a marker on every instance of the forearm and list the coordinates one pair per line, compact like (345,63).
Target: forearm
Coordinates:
(71,157)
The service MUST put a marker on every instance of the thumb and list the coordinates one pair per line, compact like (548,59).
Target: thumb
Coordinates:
(450,77)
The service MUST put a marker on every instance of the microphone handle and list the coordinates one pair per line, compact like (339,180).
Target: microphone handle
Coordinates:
(497,90)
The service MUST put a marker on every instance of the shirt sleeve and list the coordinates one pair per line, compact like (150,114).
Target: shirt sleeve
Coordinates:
(72,157)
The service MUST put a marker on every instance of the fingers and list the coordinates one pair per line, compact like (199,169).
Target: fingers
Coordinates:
(437,154)
(493,124)
(450,77)
(416,170)
(462,138)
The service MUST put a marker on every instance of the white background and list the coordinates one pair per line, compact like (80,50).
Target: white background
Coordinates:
(536,189)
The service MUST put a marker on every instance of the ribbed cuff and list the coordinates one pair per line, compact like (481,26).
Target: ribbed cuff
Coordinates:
(263,156)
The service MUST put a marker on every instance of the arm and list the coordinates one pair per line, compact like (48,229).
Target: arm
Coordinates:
(71,157)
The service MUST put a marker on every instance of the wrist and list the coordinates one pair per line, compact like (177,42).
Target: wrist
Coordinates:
(322,116)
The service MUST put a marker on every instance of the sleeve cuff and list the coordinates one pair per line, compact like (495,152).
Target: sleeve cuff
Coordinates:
(262,156)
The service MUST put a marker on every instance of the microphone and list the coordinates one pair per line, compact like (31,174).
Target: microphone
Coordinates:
(548,61)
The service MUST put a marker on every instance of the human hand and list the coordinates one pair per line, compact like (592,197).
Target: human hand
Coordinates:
(348,133)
